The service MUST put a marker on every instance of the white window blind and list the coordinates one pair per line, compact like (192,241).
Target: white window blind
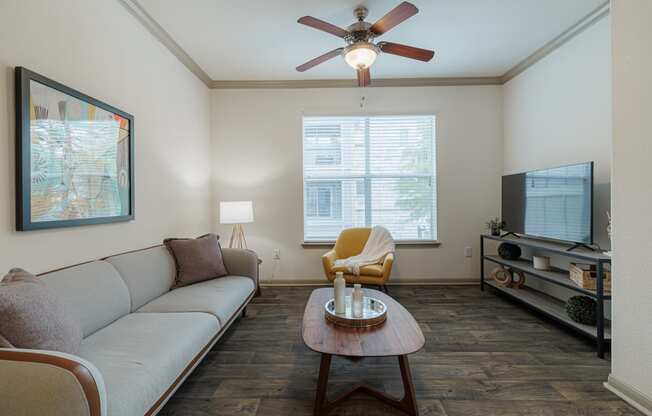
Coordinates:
(366,171)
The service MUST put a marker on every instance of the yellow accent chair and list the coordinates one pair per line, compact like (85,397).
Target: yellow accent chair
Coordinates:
(350,243)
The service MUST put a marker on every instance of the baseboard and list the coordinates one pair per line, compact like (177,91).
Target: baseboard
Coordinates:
(285,283)
(403,282)
(438,282)
(629,394)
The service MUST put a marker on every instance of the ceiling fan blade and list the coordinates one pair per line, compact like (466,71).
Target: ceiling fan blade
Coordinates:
(406,51)
(321,25)
(364,77)
(397,15)
(318,60)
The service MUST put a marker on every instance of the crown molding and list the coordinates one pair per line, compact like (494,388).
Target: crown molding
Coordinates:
(587,21)
(164,37)
(348,83)
(159,33)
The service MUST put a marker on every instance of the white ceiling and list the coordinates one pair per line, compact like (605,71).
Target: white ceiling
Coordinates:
(261,40)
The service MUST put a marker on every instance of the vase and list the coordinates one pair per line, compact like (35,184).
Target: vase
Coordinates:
(339,286)
(357,301)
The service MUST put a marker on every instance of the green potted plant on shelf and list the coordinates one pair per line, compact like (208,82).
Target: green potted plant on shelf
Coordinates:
(495,226)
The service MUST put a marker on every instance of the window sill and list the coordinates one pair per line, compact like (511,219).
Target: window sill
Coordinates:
(404,243)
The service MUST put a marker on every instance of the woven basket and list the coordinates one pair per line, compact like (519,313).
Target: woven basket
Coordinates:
(584,275)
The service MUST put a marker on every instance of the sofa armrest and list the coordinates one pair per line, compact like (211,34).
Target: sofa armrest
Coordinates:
(328,261)
(39,382)
(241,262)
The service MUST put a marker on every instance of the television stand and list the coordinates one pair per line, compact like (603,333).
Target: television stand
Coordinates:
(542,302)
(510,233)
(581,245)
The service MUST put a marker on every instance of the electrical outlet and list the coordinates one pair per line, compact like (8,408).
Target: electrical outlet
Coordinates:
(468,251)
(277,254)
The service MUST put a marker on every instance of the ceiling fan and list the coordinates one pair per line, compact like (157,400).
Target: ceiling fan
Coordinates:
(360,52)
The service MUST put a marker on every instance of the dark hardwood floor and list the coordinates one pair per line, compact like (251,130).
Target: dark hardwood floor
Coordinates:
(484,356)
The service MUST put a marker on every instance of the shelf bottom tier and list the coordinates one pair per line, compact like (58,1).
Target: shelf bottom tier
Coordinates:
(551,307)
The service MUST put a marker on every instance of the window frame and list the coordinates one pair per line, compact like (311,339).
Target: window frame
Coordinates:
(406,243)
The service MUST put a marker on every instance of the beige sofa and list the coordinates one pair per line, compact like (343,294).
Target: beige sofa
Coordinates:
(141,339)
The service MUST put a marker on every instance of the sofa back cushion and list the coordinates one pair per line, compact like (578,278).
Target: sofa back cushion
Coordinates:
(148,273)
(92,292)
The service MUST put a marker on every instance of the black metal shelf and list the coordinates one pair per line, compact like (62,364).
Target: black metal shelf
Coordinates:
(544,303)
(556,276)
(551,307)
(552,247)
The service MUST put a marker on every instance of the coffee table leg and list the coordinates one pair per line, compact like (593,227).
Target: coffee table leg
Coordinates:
(408,403)
(409,399)
(322,383)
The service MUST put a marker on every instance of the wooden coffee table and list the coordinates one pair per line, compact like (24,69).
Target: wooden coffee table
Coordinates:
(399,336)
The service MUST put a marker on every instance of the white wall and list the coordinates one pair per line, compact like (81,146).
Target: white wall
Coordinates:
(632,205)
(257,155)
(558,112)
(97,47)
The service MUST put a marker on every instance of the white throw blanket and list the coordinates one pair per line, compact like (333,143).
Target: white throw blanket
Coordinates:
(379,245)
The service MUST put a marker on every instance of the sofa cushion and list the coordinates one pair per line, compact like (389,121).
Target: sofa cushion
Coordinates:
(196,259)
(220,297)
(148,273)
(34,317)
(93,292)
(141,355)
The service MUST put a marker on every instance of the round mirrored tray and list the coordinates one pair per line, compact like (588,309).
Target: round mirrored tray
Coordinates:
(374,312)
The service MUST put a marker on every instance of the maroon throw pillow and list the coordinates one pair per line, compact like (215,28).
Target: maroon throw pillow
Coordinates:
(196,259)
(33,316)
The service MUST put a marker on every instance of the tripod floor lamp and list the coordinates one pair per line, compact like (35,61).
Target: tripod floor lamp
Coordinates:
(237,213)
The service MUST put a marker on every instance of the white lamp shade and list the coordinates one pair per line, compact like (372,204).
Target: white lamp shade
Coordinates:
(236,212)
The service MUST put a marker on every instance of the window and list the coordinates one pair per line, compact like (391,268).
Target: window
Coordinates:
(324,144)
(366,171)
(324,199)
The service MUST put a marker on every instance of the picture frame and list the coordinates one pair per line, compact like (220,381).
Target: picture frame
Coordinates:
(74,157)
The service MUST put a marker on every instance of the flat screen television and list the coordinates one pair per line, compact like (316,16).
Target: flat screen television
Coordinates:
(555,203)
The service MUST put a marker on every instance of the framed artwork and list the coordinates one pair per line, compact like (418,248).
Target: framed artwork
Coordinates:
(74,157)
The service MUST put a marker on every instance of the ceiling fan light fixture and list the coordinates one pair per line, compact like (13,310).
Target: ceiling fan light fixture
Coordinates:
(361,55)
(360,52)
